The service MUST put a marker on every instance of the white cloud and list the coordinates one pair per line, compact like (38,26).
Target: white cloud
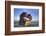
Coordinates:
(16,18)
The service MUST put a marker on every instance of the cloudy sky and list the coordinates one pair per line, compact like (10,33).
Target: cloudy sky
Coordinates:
(34,13)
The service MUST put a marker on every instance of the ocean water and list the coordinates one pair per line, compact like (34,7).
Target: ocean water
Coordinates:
(33,24)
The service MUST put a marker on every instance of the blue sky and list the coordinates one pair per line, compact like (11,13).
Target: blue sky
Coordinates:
(34,13)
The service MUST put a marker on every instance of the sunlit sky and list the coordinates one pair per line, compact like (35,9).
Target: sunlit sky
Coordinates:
(34,13)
